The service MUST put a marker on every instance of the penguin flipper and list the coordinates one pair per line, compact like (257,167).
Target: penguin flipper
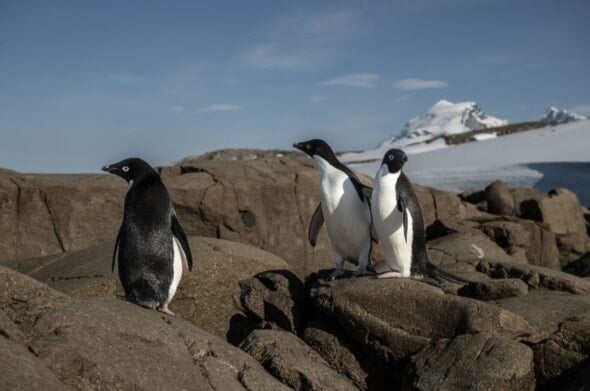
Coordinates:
(316,223)
(179,235)
(401,206)
(116,250)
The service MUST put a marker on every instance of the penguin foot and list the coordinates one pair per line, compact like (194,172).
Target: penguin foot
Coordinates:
(359,273)
(165,310)
(335,274)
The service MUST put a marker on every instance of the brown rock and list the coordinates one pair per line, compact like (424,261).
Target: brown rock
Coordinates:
(463,246)
(204,296)
(525,241)
(401,316)
(22,298)
(10,331)
(293,362)
(112,344)
(495,289)
(562,213)
(499,199)
(21,370)
(480,362)
(277,297)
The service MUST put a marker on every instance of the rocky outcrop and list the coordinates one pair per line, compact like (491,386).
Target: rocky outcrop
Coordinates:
(480,362)
(293,362)
(205,296)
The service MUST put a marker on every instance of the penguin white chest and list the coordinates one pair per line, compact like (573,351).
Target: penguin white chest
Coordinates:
(347,218)
(388,221)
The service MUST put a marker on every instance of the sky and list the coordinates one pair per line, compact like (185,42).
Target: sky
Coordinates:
(86,83)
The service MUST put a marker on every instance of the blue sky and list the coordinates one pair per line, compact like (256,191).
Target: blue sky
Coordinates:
(84,83)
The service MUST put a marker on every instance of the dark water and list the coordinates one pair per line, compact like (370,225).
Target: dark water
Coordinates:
(574,176)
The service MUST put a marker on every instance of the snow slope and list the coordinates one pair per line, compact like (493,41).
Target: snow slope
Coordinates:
(553,116)
(443,118)
(511,158)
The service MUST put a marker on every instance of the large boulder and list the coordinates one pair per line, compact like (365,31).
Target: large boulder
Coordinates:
(112,344)
(204,296)
(564,216)
(401,316)
(293,362)
(463,246)
(472,362)
(499,199)
(20,370)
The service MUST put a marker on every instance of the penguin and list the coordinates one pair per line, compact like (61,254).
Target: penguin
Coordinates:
(344,208)
(151,245)
(398,222)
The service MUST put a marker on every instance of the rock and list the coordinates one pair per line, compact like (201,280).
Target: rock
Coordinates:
(581,267)
(204,296)
(463,246)
(21,370)
(401,316)
(346,356)
(545,309)
(277,297)
(23,298)
(536,277)
(111,344)
(523,194)
(562,213)
(495,289)
(499,199)
(11,331)
(480,362)
(523,240)
(293,362)
(559,358)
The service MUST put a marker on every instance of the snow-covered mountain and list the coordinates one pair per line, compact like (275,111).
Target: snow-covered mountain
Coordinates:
(554,116)
(443,118)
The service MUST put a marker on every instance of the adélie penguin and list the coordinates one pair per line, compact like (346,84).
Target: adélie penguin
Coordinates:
(398,222)
(151,246)
(344,208)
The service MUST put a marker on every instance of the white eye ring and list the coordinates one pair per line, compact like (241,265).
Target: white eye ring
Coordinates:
(390,157)
(125,169)
(307,146)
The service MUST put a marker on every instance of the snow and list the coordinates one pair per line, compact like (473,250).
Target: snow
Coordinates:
(443,118)
(485,136)
(553,115)
(520,159)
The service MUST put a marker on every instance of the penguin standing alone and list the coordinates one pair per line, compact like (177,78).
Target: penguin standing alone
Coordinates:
(343,207)
(151,245)
(399,224)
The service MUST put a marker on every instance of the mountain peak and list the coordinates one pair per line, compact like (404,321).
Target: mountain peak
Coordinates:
(554,116)
(444,118)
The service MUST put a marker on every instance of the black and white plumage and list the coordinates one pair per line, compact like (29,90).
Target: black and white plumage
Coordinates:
(343,208)
(398,222)
(151,245)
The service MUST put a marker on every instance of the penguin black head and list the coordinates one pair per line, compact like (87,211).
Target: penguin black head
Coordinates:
(394,159)
(316,147)
(131,169)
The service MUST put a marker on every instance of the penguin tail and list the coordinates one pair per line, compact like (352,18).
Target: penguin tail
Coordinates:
(439,275)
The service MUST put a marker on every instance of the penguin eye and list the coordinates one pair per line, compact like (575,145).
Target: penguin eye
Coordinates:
(125,168)
(307,146)
(390,157)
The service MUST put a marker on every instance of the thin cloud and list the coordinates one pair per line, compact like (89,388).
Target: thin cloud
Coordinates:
(418,84)
(220,107)
(364,80)
(127,78)
(318,99)
(269,56)
(178,109)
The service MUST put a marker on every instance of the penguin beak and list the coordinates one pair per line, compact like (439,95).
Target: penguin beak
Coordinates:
(295,145)
(108,168)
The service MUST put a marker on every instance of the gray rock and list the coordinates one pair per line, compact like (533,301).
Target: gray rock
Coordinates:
(463,246)
(293,362)
(10,331)
(536,277)
(277,297)
(20,370)
(499,199)
(472,362)
(401,316)
(111,344)
(495,289)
